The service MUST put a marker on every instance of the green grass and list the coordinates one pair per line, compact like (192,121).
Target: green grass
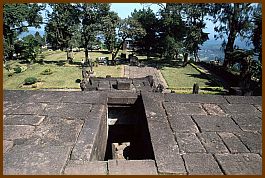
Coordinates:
(59,55)
(182,79)
(61,78)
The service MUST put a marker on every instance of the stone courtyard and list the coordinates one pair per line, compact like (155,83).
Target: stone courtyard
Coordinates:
(66,133)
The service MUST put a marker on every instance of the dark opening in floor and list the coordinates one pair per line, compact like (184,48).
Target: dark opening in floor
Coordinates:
(128,135)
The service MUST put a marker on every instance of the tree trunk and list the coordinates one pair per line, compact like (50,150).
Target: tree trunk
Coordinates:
(232,36)
(117,50)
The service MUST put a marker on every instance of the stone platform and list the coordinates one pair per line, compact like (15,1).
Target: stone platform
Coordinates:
(53,133)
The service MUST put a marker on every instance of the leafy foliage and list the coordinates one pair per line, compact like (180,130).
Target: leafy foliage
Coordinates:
(30,80)
(17,19)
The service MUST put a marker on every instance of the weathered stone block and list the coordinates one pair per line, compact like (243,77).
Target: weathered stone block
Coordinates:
(214,109)
(123,85)
(189,143)
(47,96)
(68,110)
(57,131)
(181,124)
(92,97)
(249,123)
(184,109)
(240,164)
(35,160)
(189,98)
(201,164)
(241,109)
(233,143)
(25,108)
(216,124)
(212,142)
(165,148)
(23,120)
(132,167)
(12,132)
(7,145)
(244,99)
(252,140)
(78,167)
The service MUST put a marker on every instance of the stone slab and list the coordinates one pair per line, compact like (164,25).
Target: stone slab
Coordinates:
(84,145)
(35,160)
(7,145)
(68,110)
(56,131)
(18,96)
(165,148)
(47,96)
(191,98)
(25,108)
(182,124)
(240,164)
(248,123)
(233,143)
(214,109)
(12,132)
(244,99)
(153,106)
(92,97)
(189,143)
(123,85)
(77,167)
(184,109)
(252,140)
(104,86)
(241,109)
(132,167)
(212,142)
(23,120)
(201,164)
(216,124)
(124,97)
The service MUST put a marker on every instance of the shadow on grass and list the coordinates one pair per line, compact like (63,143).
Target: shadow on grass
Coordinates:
(209,82)
(160,63)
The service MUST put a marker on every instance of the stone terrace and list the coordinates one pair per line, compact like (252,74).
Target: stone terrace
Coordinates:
(51,133)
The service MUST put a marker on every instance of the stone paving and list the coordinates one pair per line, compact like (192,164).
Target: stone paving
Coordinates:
(138,72)
(58,132)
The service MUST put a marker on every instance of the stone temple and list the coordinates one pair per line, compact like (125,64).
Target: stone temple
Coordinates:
(118,126)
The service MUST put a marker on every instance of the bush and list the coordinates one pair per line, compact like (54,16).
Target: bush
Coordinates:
(30,80)
(18,70)
(46,72)
(77,80)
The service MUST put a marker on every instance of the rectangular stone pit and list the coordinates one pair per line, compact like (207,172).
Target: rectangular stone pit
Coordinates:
(128,135)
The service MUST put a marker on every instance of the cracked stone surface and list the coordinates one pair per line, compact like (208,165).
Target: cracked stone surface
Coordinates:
(65,133)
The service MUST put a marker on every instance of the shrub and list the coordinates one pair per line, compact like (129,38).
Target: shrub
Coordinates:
(46,72)
(18,70)
(30,80)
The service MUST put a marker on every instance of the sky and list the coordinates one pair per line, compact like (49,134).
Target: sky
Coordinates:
(125,9)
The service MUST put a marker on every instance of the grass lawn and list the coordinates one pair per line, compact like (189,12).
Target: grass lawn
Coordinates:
(181,80)
(59,55)
(61,78)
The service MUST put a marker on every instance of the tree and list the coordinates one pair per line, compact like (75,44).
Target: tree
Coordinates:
(39,40)
(256,37)
(172,30)
(17,19)
(195,15)
(234,20)
(128,28)
(61,26)
(110,23)
(91,15)
(149,22)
